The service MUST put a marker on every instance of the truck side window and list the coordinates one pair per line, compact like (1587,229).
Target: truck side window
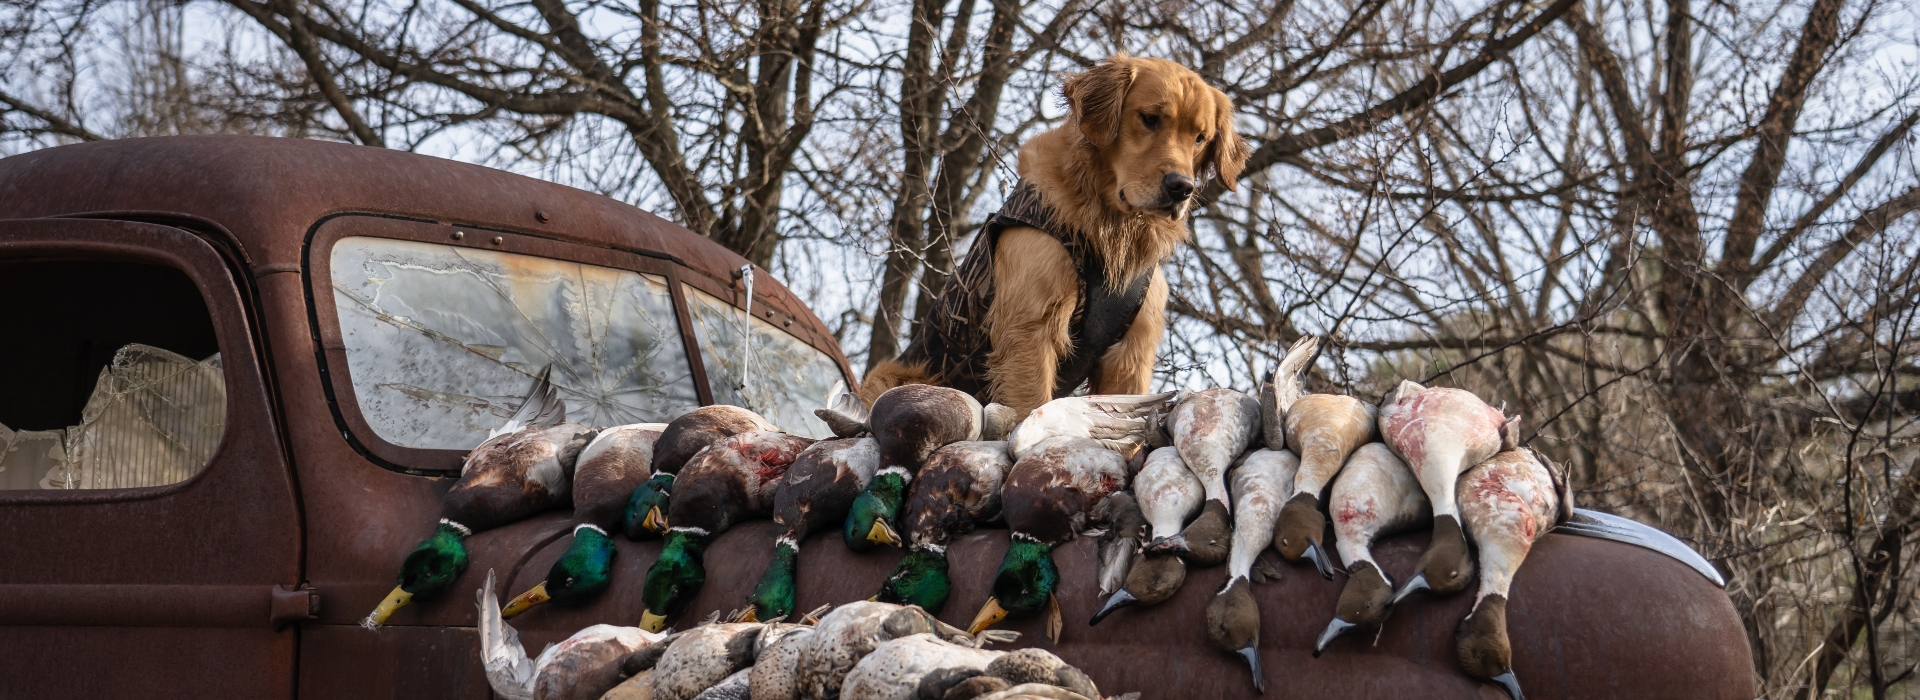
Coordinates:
(440,341)
(756,365)
(110,377)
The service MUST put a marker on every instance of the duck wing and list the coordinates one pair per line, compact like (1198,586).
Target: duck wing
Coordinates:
(509,670)
(542,408)
(1116,421)
(845,414)
(1286,386)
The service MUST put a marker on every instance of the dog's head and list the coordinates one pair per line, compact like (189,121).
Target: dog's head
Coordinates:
(1159,128)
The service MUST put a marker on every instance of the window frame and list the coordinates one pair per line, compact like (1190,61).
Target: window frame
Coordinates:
(96,240)
(330,346)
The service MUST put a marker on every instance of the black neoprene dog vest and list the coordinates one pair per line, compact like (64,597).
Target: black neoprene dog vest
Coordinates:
(953,345)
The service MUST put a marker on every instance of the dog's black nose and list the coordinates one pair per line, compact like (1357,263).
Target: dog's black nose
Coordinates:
(1178,187)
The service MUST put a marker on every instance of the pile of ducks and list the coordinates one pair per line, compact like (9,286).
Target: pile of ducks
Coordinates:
(1168,481)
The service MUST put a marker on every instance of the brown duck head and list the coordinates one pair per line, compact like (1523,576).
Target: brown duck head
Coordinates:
(1447,566)
(1301,532)
(1205,542)
(1362,604)
(1152,580)
(1233,624)
(1482,644)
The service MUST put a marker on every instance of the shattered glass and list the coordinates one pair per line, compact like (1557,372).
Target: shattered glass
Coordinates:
(442,341)
(782,378)
(155,418)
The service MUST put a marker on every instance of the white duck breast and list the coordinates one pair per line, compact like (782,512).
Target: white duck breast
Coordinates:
(898,670)
(1441,433)
(1259,485)
(1118,421)
(702,657)
(585,665)
(1211,428)
(1508,502)
(1376,495)
(1168,492)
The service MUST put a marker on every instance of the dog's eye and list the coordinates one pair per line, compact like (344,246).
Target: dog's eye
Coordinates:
(1151,121)
(1199,139)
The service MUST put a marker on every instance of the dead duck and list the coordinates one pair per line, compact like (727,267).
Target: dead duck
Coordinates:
(850,632)
(1507,503)
(1169,496)
(645,516)
(910,422)
(1126,533)
(1259,486)
(816,492)
(915,666)
(730,481)
(957,487)
(1048,497)
(583,667)
(1123,422)
(607,471)
(773,676)
(1323,429)
(524,468)
(703,657)
(1039,666)
(1376,495)
(1211,428)
(1441,433)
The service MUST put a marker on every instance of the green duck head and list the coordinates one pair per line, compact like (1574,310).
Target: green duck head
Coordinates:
(674,579)
(646,514)
(429,569)
(920,579)
(773,598)
(582,573)
(1024,584)
(870,521)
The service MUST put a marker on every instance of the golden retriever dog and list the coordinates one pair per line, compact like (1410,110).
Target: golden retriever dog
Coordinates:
(1063,286)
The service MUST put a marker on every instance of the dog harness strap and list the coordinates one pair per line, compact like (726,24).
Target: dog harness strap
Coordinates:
(953,345)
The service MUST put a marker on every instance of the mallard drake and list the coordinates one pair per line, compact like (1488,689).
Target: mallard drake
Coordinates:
(583,667)
(608,470)
(1122,422)
(910,422)
(1376,495)
(815,493)
(913,667)
(958,486)
(1126,532)
(1233,616)
(1508,502)
(1323,429)
(731,480)
(702,657)
(647,507)
(1048,497)
(848,634)
(1441,433)
(1169,495)
(1211,429)
(525,467)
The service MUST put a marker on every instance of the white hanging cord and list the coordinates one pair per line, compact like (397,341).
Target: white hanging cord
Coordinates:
(746,338)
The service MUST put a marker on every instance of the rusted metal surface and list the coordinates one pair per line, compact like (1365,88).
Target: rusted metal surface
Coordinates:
(1588,619)
(133,590)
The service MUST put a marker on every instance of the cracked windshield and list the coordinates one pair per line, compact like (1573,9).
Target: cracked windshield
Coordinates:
(441,341)
(776,375)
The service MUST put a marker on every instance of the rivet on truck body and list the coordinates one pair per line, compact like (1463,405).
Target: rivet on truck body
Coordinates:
(457,235)
(498,240)
(542,217)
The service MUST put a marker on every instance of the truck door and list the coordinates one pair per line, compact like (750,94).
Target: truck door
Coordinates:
(150,537)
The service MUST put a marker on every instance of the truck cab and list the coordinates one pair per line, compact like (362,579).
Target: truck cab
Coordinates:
(238,373)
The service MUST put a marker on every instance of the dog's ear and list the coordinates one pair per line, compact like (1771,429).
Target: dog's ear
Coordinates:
(1226,153)
(1098,96)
